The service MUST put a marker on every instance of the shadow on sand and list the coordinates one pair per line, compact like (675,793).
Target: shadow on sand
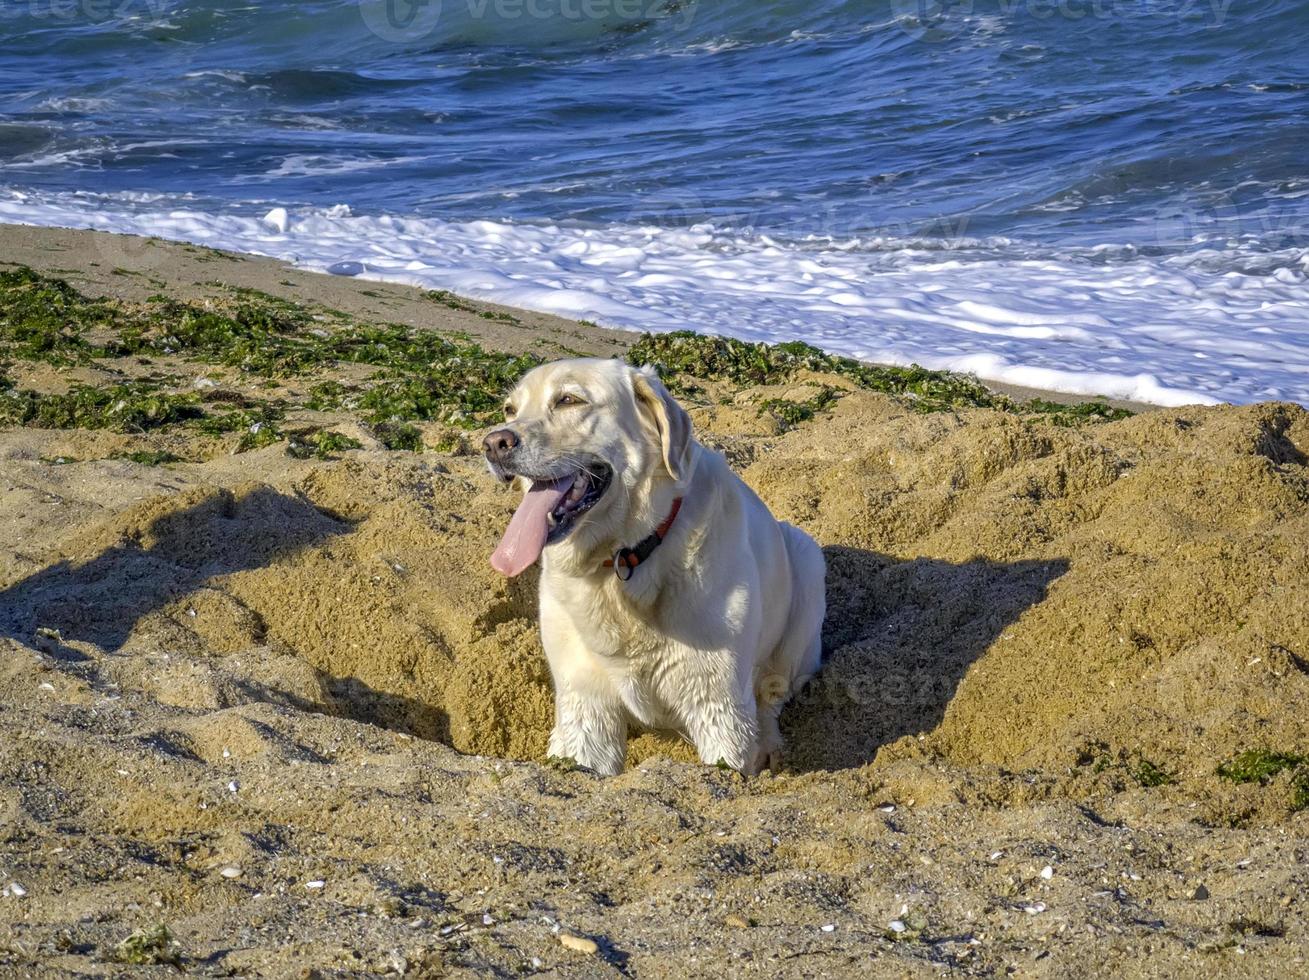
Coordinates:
(158,561)
(900,635)
(161,560)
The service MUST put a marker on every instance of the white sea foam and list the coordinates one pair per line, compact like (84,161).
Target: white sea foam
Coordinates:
(323,165)
(1171,331)
(72,104)
(88,155)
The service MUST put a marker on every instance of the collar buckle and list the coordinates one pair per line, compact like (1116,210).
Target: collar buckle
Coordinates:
(625,561)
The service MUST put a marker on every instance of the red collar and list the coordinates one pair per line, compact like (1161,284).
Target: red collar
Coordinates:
(625,560)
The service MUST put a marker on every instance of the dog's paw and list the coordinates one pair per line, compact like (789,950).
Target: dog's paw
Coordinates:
(773,689)
(764,757)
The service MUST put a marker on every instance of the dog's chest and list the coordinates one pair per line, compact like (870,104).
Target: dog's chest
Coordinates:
(639,655)
(642,648)
(624,632)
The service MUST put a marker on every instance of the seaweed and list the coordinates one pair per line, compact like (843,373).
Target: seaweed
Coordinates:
(1300,790)
(1262,765)
(464,389)
(421,375)
(792,413)
(683,354)
(254,336)
(454,302)
(1147,774)
(45,319)
(319,444)
(398,435)
(330,396)
(1074,414)
(149,457)
(258,425)
(737,362)
(130,406)
(1258,765)
(149,946)
(1100,758)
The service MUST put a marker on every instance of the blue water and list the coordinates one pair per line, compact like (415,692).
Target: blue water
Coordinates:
(840,118)
(1100,131)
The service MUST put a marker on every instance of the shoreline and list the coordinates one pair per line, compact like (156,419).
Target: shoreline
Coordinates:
(132,267)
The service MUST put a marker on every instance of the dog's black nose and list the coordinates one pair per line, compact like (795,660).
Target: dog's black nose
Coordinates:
(499,444)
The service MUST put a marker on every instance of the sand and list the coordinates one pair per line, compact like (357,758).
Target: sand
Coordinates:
(285,708)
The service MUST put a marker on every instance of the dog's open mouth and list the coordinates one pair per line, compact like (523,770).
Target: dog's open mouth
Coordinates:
(588,487)
(548,512)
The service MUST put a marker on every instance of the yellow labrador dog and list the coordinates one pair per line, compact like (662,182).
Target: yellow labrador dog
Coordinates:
(670,596)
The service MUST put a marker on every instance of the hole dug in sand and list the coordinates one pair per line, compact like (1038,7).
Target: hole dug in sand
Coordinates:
(210,599)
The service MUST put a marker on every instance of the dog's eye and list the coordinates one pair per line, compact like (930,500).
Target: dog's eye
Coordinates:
(565,400)
(510,411)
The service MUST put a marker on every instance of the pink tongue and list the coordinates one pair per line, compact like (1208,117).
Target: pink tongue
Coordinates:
(525,536)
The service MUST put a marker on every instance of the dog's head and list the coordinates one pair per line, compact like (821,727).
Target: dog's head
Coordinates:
(591,442)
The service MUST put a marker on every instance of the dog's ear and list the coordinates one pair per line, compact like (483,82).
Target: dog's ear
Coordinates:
(670,419)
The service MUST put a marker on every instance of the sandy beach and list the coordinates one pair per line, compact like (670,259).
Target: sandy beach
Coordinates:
(271,713)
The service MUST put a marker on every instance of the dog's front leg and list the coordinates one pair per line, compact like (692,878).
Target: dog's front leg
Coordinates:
(720,716)
(726,734)
(590,727)
(590,721)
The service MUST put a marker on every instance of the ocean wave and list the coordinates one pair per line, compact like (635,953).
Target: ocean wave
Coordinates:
(90,153)
(318,165)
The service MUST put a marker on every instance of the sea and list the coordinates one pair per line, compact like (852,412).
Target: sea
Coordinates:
(1103,197)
